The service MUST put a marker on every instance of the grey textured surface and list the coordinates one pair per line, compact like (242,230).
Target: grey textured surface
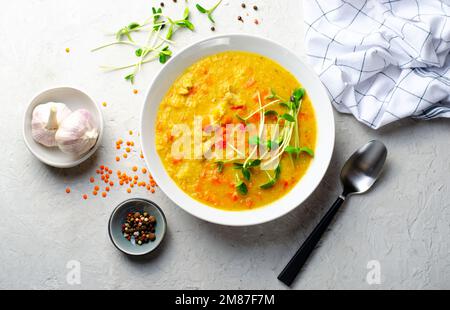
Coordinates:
(403,223)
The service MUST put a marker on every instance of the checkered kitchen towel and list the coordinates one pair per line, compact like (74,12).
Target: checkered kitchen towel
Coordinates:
(382,60)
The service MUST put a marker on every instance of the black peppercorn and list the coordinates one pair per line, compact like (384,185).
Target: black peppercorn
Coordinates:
(139,227)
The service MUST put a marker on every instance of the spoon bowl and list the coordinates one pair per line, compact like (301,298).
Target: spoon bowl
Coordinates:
(363,168)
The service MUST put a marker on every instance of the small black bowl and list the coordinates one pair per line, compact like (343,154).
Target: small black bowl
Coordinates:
(118,217)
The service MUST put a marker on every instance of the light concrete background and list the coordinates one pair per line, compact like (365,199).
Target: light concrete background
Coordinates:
(403,223)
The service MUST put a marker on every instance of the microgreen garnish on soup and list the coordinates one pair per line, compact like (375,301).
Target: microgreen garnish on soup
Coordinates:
(258,131)
(272,179)
(241,187)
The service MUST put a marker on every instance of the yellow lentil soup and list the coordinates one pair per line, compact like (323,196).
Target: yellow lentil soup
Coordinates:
(237,88)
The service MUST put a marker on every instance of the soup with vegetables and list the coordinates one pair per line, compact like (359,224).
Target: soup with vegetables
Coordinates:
(236,131)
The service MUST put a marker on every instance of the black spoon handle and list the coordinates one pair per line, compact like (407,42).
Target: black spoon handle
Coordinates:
(289,273)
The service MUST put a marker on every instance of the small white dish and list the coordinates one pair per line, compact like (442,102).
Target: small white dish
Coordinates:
(75,99)
(289,60)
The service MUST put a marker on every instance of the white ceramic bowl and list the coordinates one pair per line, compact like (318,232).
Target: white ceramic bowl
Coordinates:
(290,61)
(74,99)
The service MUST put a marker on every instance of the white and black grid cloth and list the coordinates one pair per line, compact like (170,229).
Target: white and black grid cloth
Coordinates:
(382,60)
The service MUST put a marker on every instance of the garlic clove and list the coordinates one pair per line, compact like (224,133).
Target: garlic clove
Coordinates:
(77,134)
(45,122)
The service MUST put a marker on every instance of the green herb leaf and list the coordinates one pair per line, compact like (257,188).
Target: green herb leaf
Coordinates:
(297,95)
(211,18)
(288,117)
(130,77)
(241,187)
(297,150)
(200,8)
(254,163)
(170,32)
(186,13)
(272,95)
(307,150)
(273,180)
(278,172)
(133,26)
(268,185)
(286,105)
(185,24)
(253,140)
(138,52)
(220,166)
(291,150)
(237,166)
(271,113)
(164,54)
(208,12)
(246,173)
(162,58)
(280,140)
(156,18)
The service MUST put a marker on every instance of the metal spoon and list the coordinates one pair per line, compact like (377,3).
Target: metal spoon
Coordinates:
(357,176)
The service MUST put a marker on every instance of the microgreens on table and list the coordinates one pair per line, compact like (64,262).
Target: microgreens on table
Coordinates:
(157,45)
(208,12)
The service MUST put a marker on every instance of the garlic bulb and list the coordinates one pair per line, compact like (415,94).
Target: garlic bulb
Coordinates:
(45,122)
(77,134)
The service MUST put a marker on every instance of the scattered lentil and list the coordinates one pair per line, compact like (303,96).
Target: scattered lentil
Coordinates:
(104,184)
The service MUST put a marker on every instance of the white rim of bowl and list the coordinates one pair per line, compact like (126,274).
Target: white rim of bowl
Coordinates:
(247,222)
(84,157)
